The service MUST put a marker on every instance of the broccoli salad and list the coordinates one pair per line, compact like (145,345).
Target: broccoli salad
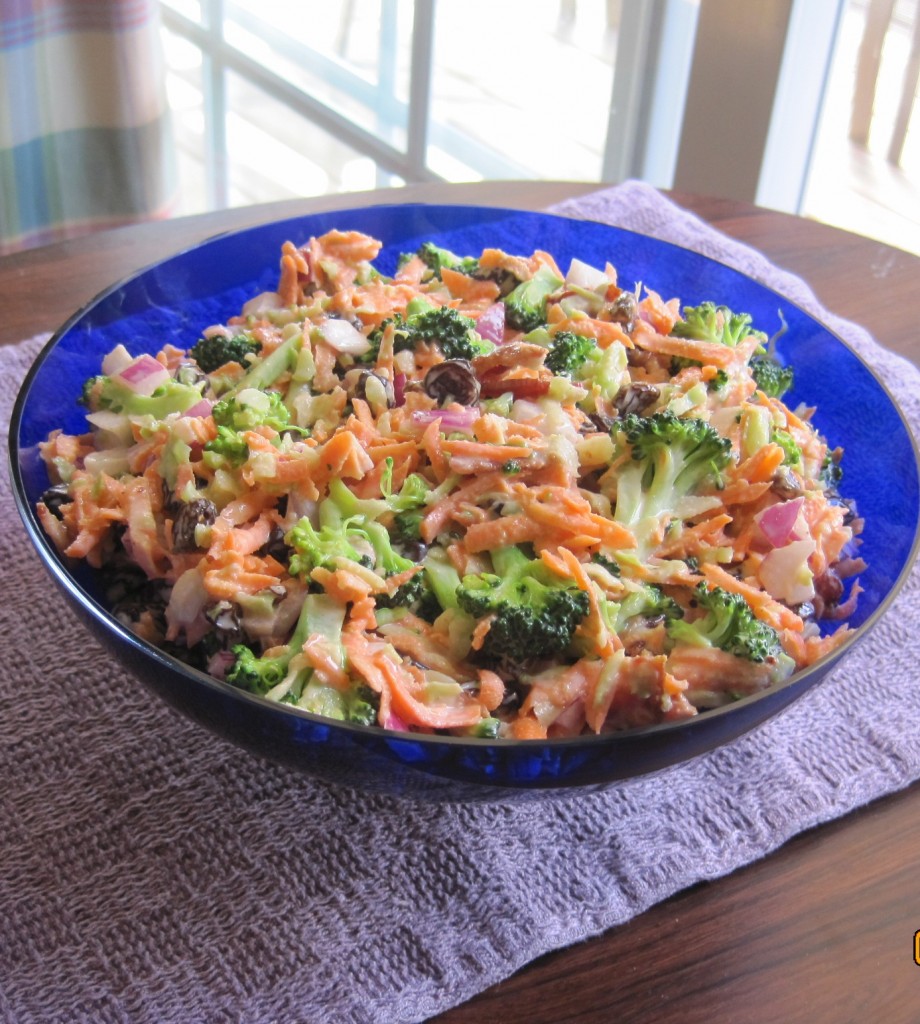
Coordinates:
(483,496)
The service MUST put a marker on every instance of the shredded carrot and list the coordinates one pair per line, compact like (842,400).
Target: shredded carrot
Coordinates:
(474,293)
(344,586)
(440,515)
(501,532)
(763,464)
(491,689)
(527,728)
(604,332)
(488,452)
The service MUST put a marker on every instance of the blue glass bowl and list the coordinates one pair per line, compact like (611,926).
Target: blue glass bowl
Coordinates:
(175,299)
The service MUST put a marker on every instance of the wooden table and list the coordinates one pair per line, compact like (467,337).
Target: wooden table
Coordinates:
(820,931)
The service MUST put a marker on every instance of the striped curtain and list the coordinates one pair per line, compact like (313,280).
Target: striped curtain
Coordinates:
(84,131)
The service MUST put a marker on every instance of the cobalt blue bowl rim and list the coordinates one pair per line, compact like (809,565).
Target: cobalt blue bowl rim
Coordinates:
(56,565)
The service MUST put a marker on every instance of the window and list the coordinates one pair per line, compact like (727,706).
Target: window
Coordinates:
(272,101)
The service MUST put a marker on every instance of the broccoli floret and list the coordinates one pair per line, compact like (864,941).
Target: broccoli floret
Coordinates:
(607,563)
(525,305)
(428,606)
(772,379)
(728,623)
(245,411)
(356,539)
(409,595)
(259,675)
(831,471)
(671,458)
(788,443)
(249,409)
(717,382)
(650,601)
(408,507)
(436,258)
(386,561)
(358,705)
(533,614)
(411,496)
(568,352)
(407,525)
(91,392)
(362,706)
(453,333)
(313,548)
(169,398)
(709,322)
(212,353)
(229,445)
(290,681)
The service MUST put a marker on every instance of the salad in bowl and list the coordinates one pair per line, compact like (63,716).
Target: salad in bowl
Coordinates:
(485,495)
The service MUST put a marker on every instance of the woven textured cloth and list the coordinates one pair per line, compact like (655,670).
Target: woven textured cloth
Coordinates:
(84,129)
(149,872)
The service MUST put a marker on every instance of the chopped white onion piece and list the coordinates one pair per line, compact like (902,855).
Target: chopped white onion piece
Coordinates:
(116,360)
(784,572)
(185,610)
(113,429)
(111,461)
(344,337)
(583,275)
(262,302)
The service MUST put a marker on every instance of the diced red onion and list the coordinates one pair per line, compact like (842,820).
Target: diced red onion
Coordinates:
(450,419)
(571,720)
(219,664)
(143,375)
(783,522)
(200,409)
(395,723)
(299,506)
(399,389)
(344,337)
(491,323)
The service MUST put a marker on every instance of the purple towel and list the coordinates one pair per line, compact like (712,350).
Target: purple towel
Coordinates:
(150,872)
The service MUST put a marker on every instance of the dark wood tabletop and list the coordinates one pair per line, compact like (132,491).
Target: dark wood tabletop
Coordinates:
(822,930)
